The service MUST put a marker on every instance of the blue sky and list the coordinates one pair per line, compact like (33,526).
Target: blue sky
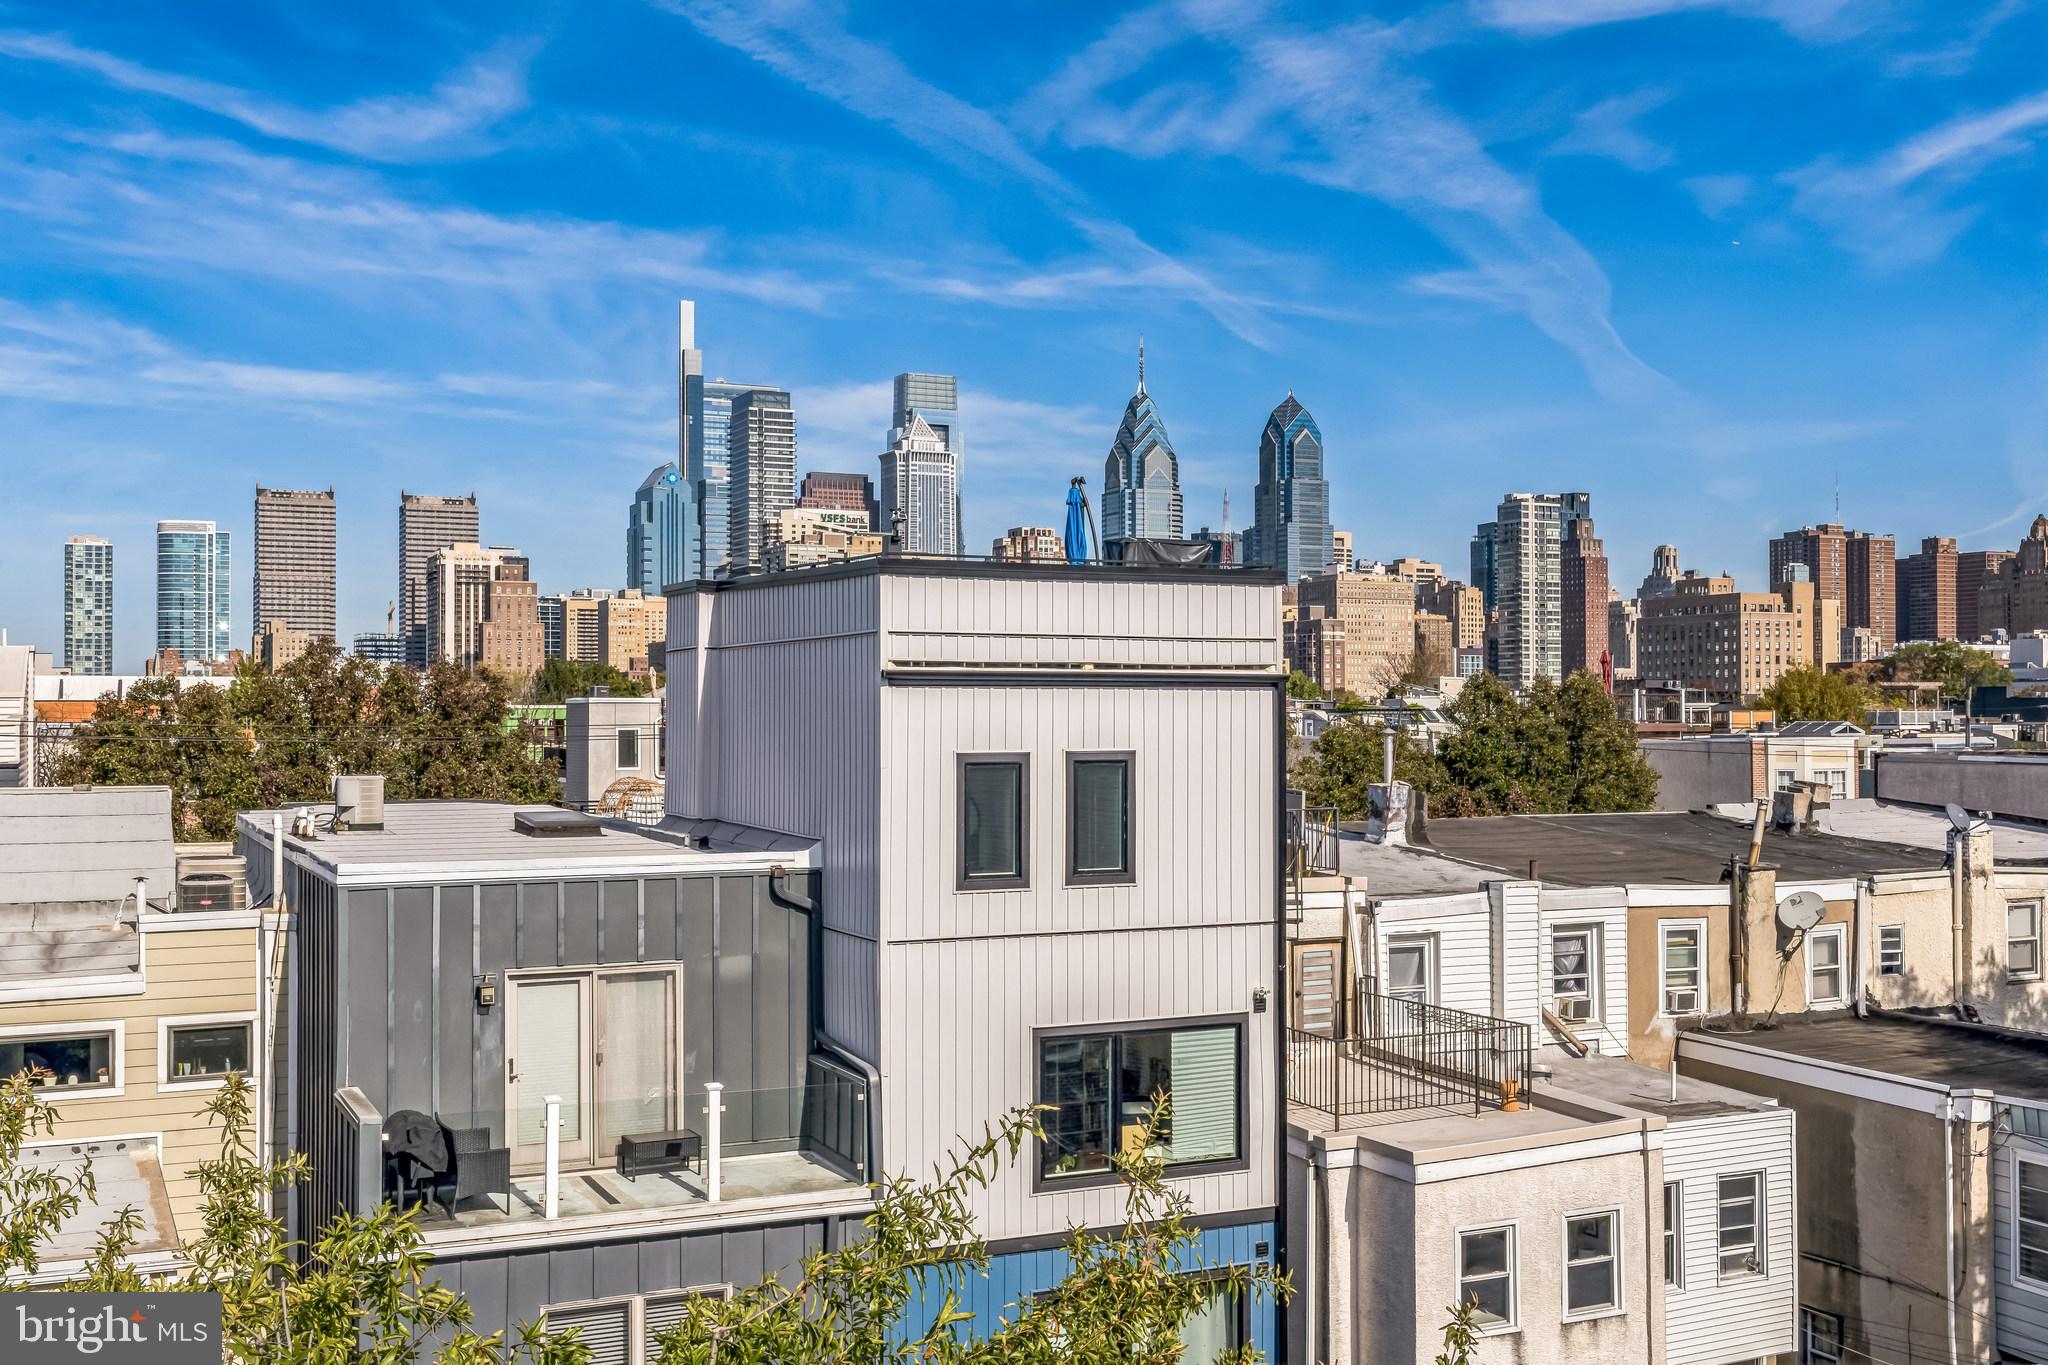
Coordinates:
(1699,257)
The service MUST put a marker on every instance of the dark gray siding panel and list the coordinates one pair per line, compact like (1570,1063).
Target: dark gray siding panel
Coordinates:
(619,930)
(497,928)
(660,918)
(572,1274)
(696,923)
(734,1055)
(410,1046)
(528,1286)
(617,1269)
(538,906)
(579,922)
(368,995)
(782,1251)
(742,1251)
(661,1265)
(455,1002)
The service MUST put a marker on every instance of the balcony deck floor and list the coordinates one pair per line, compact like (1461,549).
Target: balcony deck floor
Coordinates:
(603,1191)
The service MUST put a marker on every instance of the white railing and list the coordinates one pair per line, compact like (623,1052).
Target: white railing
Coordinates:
(714,1105)
(551,1203)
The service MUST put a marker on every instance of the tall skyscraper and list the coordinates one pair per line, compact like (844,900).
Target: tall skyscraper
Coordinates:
(711,483)
(920,486)
(1927,591)
(824,490)
(1662,579)
(192,593)
(426,524)
(1291,506)
(481,609)
(294,561)
(1141,478)
(1975,568)
(2015,598)
(1582,577)
(921,491)
(660,528)
(1483,565)
(89,604)
(553,637)
(1852,568)
(1528,589)
(761,472)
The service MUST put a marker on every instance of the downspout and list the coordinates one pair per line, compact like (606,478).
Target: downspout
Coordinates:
(1955,915)
(1859,930)
(1948,1208)
(780,886)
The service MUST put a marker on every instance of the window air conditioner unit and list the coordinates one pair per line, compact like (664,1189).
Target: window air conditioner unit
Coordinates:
(1682,1002)
(1575,1010)
(211,883)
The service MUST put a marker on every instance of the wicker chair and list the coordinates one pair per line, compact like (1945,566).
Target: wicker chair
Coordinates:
(480,1169)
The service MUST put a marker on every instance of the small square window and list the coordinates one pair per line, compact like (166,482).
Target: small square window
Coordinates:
(1891,950)
(206,1052)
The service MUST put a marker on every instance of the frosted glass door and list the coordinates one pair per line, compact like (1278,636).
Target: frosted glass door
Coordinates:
(636,1067)
(550,1055)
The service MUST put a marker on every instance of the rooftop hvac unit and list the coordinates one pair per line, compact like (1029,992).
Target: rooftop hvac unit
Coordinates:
(211,883)
(359,802)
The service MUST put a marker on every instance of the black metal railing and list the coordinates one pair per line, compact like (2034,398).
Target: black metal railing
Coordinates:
(1399,1054)
(1312,841)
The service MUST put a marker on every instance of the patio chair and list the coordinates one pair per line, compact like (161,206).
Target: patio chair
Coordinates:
(479,1168)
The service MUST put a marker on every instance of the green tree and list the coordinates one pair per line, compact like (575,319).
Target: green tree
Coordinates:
(1957,667)
(1606,770)
(561,679)
(264,740)
(1301,687)
(1350,757)
(1812,694)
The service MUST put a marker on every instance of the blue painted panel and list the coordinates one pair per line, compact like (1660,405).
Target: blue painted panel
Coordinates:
(1015,1279)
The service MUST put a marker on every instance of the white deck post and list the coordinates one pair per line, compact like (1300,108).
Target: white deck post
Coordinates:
(714,1105)
(551,1205)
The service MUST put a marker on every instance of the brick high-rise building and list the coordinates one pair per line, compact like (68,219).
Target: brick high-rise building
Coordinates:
(1853,568)
(426,525)
(1377,612)
(1974,569)
(1030,545)
(513,641)
(631,625)
(1823,550)
(1927,591)
(1313,641)
(1582,572)
(1433,645)
(294,558)
(2016,598)
(1736,644)
(1465,606)
(827,491)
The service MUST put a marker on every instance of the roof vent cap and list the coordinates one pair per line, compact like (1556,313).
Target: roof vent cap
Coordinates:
(556,824)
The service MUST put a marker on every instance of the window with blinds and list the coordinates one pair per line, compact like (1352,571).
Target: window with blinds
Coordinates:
(992,826)
(1100,1089)
(1098,818)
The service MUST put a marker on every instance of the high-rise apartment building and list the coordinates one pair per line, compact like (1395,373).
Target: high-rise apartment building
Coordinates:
(1313,641)
(660,526)
(1624,617)
(192,593)
(921,491)
(1974,569)
(1853,568)
(1377,612)
(548,611)
(1141,478)
(920,485)
(1664,574)
(631,625)
(1464,606)
(1735,644)
(1583,590)
(578,639)
(1434,650)
(2015,599)
(1483,563)
(1029,545)
(1927,591)
(294,561)
(89,604)
(823,489)
(761,472)
(457,601)
(1291,517)
(1343,552)
(513,641)
(1528,587)
(427,524)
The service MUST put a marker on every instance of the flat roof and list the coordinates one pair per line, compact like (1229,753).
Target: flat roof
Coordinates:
(939,566)
(477,836)
(1633,1086)
(1962,1056)
(2012,841)
(1661,847)
(1392,870)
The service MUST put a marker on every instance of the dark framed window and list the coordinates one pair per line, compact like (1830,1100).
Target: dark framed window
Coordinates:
(629,749)
(74,1061)
(1099,819)
(994,824)
(1592,1282)
(206,1051)
(1100,1087)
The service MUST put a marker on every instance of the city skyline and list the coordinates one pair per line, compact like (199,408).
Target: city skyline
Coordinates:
(1639,291)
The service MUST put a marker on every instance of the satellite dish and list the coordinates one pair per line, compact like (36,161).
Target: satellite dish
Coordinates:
(1801,910)
(1957,816)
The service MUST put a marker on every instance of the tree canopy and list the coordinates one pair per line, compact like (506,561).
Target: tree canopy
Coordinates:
(272,739)
(1957,667)
(561,679)
(1814,694)
(1301,687)
(1559,749)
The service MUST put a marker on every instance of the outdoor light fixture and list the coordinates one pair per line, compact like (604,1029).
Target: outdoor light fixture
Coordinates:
(1258,1000)
(486,992)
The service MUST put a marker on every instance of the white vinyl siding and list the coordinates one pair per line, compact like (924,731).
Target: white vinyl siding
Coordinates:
(1717,1320)
(2020,1301)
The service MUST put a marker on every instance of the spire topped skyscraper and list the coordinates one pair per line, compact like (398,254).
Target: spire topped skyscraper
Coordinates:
(1141,478)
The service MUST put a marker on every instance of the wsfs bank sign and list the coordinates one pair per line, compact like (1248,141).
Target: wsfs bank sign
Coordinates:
(110,1329)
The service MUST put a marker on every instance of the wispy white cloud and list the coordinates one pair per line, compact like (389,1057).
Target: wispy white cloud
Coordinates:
(1958,55)
(1898,208)
(807,43)
(1717,194)
(1812,19)
(1609,129)
(450,117)
(1347,112)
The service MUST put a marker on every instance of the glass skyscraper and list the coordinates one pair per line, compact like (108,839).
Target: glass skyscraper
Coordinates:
(920,495)
(192,594)
(1291,517)
(1141,479)
(89,605)
(661,529)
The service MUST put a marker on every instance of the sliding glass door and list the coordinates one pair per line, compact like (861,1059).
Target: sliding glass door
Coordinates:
(636,1056)
(548,1053)
(606,1042)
